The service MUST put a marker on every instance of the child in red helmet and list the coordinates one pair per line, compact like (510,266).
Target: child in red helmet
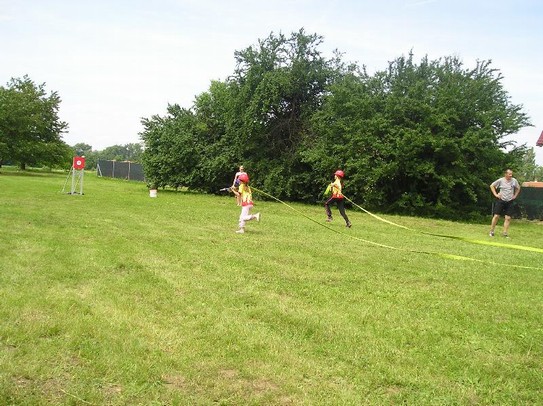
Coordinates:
(245,194)
(336,188)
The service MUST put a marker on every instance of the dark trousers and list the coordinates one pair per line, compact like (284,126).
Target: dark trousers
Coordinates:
(340,206)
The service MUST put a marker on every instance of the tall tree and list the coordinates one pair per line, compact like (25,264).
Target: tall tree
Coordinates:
(279,84)
(30,128)
(421,138)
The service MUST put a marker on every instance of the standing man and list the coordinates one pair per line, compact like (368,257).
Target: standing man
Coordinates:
(506,190)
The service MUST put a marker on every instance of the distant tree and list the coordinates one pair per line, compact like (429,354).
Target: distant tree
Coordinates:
(127,152)
(30,128)
(133,152)
(527,170)
(81,149)
(113,153)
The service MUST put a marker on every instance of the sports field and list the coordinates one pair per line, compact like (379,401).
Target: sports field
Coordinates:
(117,298)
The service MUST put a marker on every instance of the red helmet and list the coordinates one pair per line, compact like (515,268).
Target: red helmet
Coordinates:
(339,173)
(243,178)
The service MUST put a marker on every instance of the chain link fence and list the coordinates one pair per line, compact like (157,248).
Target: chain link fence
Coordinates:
(120,169)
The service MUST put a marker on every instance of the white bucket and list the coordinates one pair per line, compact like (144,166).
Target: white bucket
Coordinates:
(153,192)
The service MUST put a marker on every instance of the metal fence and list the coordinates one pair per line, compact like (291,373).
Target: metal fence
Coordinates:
(120,170)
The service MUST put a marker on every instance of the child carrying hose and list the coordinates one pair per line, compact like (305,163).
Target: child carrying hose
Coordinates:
(245,195)
(337,197)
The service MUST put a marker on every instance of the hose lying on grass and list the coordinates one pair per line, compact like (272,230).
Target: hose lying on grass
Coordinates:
(438,254)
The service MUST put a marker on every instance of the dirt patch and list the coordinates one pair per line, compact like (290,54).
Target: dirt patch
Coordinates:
(228,373)
(113,390)
(22,382)
(393,390)
(175,382)
(256,386)
(263,385)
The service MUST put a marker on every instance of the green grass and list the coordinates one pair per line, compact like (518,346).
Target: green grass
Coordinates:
(120,299)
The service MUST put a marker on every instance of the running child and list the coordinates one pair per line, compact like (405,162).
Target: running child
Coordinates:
(245,196)
(336,188)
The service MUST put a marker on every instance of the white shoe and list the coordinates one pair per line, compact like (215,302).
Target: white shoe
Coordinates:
(257,216)
(240,231)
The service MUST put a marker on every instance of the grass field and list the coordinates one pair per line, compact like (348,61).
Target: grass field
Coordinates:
(116,298)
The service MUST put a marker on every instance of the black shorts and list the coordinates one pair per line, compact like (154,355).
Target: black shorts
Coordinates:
(503,207)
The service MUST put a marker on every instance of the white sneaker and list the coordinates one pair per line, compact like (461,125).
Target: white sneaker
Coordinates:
(257,216)
(240,231)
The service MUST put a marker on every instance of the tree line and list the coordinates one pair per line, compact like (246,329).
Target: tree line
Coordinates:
(417,137)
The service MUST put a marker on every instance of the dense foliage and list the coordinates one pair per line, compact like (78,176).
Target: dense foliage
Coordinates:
(30,128)
(419,138)
(423,138)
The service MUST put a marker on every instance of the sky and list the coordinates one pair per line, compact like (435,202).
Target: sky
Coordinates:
(114,62)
